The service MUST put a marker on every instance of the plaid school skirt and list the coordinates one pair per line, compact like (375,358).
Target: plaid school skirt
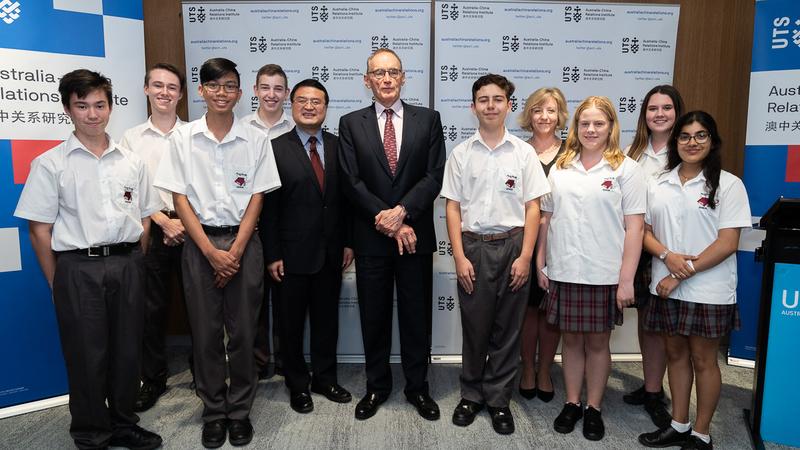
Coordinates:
(582,308)
(641,282)
(674,316)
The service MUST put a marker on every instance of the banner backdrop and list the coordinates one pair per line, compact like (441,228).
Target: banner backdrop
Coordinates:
(772,152)
(327,41)
(617,50)
(106,36)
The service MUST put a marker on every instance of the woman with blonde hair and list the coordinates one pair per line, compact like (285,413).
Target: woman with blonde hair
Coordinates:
(661,106)
(590,239)
(545,116)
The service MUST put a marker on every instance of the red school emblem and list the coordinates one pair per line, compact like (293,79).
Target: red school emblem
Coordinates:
(240,181)
(510,183)
(127,195)
(607,185)
(703,201)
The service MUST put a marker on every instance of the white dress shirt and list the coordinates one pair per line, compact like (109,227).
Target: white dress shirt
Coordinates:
(282,126)
(90,201)
(653,164)
(151,144)
(397,121)
(683,222)
(218,177)
(587,229)
(492,186)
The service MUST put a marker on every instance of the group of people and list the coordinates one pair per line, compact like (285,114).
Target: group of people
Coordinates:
(551,239)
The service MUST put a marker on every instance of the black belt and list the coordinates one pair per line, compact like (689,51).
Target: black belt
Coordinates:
(493,237)
(170,213)
(220,231)
(105,250)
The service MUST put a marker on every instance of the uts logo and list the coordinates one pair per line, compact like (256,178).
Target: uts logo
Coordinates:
(570,74)
(379,42)
(194,74)
(607,184)
(258,44)
(320,73)
(448,73)
(785,299)
(572,14)
(319,13)
(509,43)
(628,104)
(514,103)
(450,133)
(9,11)
(449,11)
(781,32)
(630,45)
(197,14)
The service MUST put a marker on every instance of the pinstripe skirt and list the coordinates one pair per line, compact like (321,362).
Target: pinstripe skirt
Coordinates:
(582,308)
(672,316)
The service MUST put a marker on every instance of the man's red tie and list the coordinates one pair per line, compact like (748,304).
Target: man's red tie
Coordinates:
(316,162)
(390,142)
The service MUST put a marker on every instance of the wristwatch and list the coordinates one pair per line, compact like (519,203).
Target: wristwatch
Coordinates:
(664,254)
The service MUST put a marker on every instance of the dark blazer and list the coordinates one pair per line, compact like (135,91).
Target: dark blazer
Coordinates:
(299,223)
(369,184)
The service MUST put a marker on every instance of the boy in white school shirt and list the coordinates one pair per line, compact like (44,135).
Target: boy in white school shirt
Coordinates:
(88,202)
(218,170)
(163,86)
(492,183)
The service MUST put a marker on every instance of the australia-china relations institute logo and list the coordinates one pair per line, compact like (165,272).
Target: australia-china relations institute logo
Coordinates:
(9,11)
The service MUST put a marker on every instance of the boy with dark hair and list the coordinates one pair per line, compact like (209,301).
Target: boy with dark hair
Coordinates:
(217,170)
(88,202)
(492,183)
(163,86)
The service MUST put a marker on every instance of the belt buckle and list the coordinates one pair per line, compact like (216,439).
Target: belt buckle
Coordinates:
(103,251)
(487,237)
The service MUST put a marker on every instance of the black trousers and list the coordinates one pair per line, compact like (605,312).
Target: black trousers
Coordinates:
(212,312)
(317,295)
(99,307)
(161,263)
(376,277)
(262,347)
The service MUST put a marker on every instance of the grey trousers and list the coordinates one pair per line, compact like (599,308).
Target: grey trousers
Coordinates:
(491,321)
(213,311)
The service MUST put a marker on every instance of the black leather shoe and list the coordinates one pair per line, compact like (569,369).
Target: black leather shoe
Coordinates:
(502,420)
(368,405)
(657,411)
(637,397)
(527,393)
(240,432)
(695,443)
(593,427)
(664,437)
(465,412)
(301,402)
(426,407)
(148,395)
(546,396)
(569,416)
(214,433)
(333,392)
(135,438)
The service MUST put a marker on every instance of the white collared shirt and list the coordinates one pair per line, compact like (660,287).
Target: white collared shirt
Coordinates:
(397,121)
(282,126)
(218,177)
(151,144)
(90,201)
(492,186)
(652,163)
(683,222)
(587,229)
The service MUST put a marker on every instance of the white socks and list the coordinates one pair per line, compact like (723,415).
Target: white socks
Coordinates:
(681,427)
(703,437)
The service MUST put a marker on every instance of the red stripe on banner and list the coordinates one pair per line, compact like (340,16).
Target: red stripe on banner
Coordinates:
(793,164)
(23,152)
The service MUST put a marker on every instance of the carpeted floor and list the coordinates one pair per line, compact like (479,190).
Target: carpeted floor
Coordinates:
(332,426)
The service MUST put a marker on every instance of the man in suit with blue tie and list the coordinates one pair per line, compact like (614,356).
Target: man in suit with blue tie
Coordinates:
(392,160)
(305,231)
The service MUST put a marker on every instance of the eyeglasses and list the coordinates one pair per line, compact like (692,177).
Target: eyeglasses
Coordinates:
(380,73)
(302,101)
(700,137)
(213,86)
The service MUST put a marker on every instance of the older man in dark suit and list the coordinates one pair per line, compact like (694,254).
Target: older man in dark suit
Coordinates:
(305,231)
(392,156)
